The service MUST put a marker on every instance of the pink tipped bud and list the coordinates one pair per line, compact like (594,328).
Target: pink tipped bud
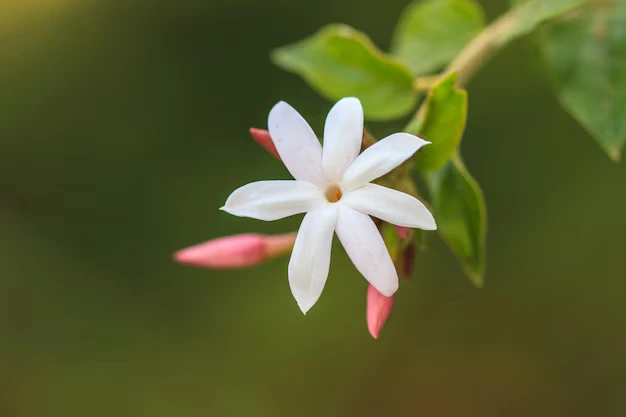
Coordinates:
(403,232)
(378,310)
(406,261)
(238,251)
(263,138)
(276,245)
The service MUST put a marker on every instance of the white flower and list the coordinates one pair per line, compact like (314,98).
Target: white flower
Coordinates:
(332,186)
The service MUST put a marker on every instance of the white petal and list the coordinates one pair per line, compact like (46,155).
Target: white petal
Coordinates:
(273,200)
(391,206)
(366,248)
(380,158)
(296,144)
(310,259)
(343,134)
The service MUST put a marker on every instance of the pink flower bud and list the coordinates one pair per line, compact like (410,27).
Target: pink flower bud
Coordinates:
(238,251)
(263,138)
(378,310)
(403,232)
(406,261)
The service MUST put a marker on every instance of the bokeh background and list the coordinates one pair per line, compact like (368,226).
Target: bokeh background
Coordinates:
(123,127)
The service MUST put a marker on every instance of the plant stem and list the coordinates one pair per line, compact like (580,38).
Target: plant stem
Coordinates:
(425,83)
(471,58)
(481,48)
(507,27)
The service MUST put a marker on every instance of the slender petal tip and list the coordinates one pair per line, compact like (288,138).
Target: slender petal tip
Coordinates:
(310,259)
(296,143)
(378,310)
(343,134)
(225,209)
(381,158)
(305,307)
(273,200)
(366,249)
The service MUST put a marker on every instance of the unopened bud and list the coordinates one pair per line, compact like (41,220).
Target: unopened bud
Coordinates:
(406,261)
(403,232)
(238,251)
(378,310)
(264,139)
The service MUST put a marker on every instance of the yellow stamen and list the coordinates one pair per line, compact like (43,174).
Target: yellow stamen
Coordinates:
(333,193)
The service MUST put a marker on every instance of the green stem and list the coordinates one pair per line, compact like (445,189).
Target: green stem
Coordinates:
(482,47)
(425,83)
(469,60)
(476,54)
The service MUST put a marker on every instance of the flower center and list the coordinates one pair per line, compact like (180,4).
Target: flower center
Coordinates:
(333,193)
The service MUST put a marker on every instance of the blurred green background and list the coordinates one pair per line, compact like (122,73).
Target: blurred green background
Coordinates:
(123,127)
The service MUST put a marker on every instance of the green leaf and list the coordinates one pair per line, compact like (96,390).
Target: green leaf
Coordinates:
(443,124)
(531,13)
(585,55)
(339,61)
(432,32)
(459,208)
